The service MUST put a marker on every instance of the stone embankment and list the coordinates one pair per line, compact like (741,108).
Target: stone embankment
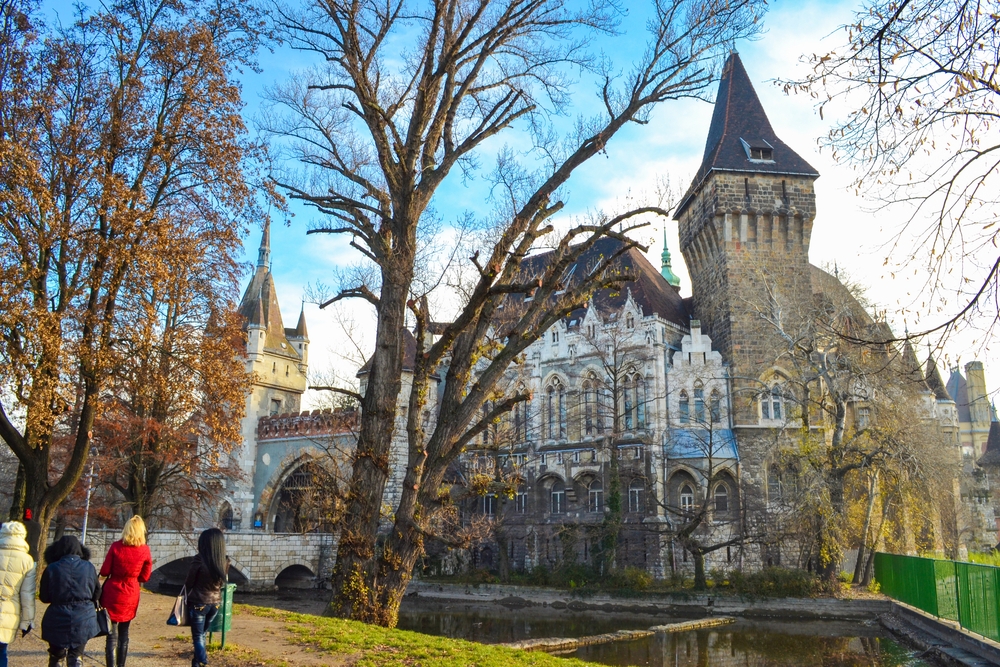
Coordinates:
(560,644)
(689,604)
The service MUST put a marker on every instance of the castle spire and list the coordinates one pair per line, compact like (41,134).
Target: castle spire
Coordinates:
(264,254)
(665,269)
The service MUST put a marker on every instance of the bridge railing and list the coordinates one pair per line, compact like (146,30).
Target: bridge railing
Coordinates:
(968,593)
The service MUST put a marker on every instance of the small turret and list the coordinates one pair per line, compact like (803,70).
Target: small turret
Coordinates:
(299,338)
(665,269)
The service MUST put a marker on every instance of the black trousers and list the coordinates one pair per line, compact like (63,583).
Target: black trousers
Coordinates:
(116,639)
(71,654)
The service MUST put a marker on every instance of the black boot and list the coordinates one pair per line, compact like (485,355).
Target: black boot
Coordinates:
(55,660)
(122,652)
(109,651)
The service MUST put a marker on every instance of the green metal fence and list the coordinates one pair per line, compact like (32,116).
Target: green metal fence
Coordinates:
(965,592)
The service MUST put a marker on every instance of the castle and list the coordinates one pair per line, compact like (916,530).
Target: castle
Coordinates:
(646,406)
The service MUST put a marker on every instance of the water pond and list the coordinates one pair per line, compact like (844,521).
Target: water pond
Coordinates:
(748,643)
(756,643)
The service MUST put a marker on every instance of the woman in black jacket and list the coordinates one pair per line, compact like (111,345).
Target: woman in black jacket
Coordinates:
(69,586)
(204,584)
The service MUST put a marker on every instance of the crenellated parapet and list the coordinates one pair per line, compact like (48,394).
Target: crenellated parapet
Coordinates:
(307,424)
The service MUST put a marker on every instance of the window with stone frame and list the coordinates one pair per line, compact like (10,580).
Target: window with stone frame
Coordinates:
(864,415)
(634,402)
(721,499)
(772,403)
(490,429)
(521,500)
(595,493)
(715,406)
(520,417)
(555,410)
(591,406)
(488,504)
(687,498)
(685,408)
(637,496)
(699,403)
(557,498)
(775,490)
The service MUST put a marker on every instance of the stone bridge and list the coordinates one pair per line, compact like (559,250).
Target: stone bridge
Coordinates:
(259,561)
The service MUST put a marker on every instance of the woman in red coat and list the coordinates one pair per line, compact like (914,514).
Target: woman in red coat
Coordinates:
(127,565)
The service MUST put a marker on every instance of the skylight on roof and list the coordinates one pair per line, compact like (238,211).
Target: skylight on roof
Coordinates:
(758,150)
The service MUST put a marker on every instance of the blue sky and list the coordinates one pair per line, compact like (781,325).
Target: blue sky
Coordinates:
(846,231)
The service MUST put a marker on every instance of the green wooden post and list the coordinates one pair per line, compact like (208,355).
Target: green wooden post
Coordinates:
(223,621)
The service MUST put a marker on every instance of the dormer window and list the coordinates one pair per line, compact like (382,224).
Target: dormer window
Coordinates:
(758,150)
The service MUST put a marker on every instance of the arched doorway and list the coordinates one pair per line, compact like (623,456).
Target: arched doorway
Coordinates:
(307,501)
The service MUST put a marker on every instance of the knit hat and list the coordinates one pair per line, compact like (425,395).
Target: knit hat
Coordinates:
(14,529)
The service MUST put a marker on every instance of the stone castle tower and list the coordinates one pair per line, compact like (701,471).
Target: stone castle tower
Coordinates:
(745,224)
(279,359)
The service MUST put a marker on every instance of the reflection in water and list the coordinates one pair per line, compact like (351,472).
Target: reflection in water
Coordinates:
(746,643)
(751,647)
(494,624)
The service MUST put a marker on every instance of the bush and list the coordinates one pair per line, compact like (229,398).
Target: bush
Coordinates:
(718,577)
(629,579)
(776,582)
(991,558)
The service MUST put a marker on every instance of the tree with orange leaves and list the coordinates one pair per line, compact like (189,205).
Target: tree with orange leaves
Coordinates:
(112,130)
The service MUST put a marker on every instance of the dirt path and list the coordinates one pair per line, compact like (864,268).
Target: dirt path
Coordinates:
(253,642)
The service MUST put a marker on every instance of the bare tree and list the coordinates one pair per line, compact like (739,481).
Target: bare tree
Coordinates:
(920,77)
(407,92)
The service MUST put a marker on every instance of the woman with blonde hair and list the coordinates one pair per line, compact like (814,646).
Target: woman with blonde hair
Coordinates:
(127,565)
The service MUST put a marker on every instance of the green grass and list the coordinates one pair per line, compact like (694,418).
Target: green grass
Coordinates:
(374,646)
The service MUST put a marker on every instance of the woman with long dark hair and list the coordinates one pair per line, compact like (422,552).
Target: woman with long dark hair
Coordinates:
(204,584)
(69,586)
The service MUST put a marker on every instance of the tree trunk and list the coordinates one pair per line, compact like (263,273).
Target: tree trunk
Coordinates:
(17,499)
(859,562)
(356,550)
(700,580)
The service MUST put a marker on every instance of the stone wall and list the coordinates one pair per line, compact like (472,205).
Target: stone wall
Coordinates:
(258,556)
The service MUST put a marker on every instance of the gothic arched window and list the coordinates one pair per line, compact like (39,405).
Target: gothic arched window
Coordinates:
(715,402)
(774,487)
(699,404)
(721,498)
(555,408)
(634,409)
(685,405)
(591,409)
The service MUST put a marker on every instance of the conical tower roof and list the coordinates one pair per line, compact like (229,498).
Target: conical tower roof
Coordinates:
(740,137)
(300,330)
(992,455)
(934,381)
(912,371)
(259,305)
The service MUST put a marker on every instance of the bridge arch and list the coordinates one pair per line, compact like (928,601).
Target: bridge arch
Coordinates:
(295,573)
(290,500)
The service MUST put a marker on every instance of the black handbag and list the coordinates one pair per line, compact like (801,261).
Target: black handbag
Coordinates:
(103,622)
